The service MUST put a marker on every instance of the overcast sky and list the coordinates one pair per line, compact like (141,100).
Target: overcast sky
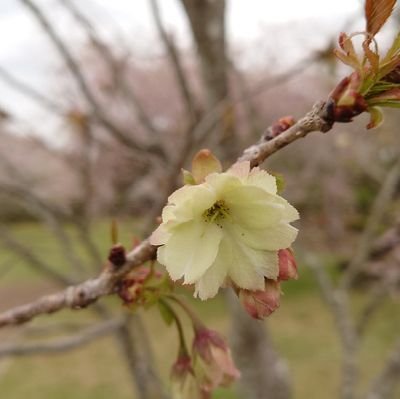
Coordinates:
(26,52)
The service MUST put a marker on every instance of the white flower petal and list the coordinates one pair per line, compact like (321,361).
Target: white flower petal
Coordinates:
(168,213)
(279,236)
(271,264)
(204,199)
(221,183)
(290,213)
(182,194)
(208,285)
(191,201)
(250,266)
(160,235)
(161,258)
(262,179)
(204,254)
(190,250)
(254,207)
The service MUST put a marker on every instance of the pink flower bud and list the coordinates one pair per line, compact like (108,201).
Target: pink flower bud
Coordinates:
(260,304)
(184,384)
(279,127)
(287,265)
(213,363)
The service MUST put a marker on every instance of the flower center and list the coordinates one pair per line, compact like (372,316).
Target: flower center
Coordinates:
(215,214)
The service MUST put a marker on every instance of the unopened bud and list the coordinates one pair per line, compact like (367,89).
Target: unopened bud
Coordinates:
(278,127)
(117,255)
(213,364)
(183,381)
(260,304)
(204,163)
(287,265)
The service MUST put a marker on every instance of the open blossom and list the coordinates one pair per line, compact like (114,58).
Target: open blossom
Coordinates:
(229,227)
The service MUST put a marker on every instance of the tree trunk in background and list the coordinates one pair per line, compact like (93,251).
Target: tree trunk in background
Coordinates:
(207,22)
(264,374)
(136,351)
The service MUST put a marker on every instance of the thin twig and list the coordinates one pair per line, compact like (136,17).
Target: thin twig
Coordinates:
(375,300)
(30,92)
(51,216)
(338,303)
(173,54)
(378,211)
(24,252)
(113,65)
(76,71)
(385,383)
(61,345)
(315,120)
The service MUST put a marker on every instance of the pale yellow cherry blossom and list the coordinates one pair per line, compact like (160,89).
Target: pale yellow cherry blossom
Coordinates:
(228,228)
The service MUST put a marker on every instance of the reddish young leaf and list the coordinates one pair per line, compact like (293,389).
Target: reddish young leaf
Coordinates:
(348,56)
(376,13)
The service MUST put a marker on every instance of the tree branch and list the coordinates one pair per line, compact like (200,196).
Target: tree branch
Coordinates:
(378,210)
(24,252)
(81,295)
(114,66)
(173,55)
(315,120)
(384,385)
(374,302)
(338,303)
(63,344)
(73,66)
(84,294)
(30,92)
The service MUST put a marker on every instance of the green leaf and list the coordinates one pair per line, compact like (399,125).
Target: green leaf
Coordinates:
(394,50)
(280,181)
(376,117)
(380,88)
(188,177)
(166,313)
(388,103)
(388,98)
